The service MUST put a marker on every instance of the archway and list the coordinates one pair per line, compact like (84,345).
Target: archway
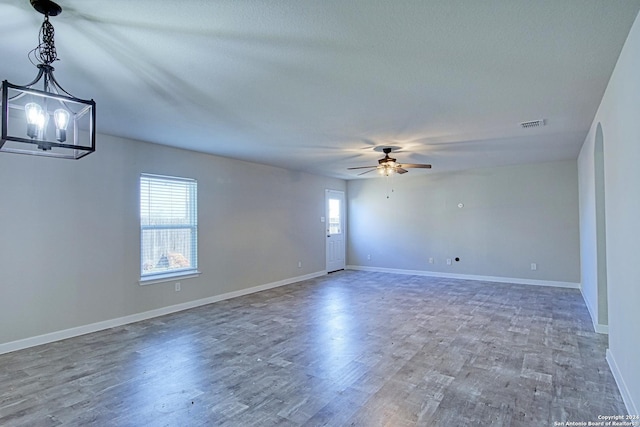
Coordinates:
(601,233)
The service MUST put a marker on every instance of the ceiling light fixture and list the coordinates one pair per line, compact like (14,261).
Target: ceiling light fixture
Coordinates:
(49,122)
(387,165)
(388,169)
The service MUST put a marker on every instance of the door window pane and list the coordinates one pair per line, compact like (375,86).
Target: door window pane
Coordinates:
(334,216)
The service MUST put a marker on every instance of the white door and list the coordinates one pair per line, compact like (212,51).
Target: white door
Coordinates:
(335,230)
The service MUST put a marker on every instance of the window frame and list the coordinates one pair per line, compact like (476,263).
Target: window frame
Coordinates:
(191,206)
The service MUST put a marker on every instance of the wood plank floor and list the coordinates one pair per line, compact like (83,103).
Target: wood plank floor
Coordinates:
(350,348)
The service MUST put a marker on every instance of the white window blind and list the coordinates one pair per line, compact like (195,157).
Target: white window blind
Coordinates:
(168,226)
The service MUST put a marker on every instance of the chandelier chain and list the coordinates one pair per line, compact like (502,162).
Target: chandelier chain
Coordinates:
(47,48)
(45,52)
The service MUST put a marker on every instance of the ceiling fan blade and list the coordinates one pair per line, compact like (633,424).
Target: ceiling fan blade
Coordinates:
(401,170)
(363,167)
(366,172)
(415,166)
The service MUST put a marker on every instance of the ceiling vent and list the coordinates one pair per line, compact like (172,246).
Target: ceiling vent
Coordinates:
(532,124)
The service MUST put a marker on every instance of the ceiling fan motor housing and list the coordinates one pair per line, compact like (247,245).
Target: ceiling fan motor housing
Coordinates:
(386,159)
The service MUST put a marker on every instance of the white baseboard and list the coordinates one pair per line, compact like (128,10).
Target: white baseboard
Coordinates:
(111,323)
(601,329)
(598,327)
(497,279)
(632,408)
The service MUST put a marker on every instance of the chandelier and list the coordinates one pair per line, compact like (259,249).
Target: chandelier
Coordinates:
(49,121)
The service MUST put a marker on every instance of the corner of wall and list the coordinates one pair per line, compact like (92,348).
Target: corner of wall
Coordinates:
(597,327)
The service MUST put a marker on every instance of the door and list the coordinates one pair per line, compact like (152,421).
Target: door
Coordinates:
(335,209)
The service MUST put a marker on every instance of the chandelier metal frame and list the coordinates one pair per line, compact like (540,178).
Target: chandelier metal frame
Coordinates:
(49,122)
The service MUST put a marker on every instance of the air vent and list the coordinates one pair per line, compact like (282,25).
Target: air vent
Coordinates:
(532,124)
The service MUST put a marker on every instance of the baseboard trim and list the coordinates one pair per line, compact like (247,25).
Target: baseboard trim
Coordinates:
(597,327)
(556,284)
(111,323)
(632,408)
(601,329)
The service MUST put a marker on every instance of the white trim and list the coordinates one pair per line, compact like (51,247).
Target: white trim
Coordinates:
(571,285)
(632,408)
(169,277)
(598,327)
(601,329)
(111,323)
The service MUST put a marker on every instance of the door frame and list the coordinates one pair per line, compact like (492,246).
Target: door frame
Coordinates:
(343,219)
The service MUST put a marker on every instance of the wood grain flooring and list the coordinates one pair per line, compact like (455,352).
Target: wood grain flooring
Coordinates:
(348,349)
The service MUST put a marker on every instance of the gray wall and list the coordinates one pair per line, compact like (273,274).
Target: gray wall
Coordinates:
(618,115)
(512,217)
(69,230)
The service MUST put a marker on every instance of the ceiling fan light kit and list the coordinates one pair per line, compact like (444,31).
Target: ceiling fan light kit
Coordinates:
(49,122)
(388,166)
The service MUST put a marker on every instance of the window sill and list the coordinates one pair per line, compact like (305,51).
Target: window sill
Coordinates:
(169,277)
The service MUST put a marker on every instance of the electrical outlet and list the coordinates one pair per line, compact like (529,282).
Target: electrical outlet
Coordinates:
(534,266)
(178,287)
(448,261)
(299,264)
(369,257)
(430,260)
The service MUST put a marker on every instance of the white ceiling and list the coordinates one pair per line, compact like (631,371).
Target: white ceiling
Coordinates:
(315,85)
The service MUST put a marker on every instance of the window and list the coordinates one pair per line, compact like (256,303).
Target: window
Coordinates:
(168,227)
(334,216)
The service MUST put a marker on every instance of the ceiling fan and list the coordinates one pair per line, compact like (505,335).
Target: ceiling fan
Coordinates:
(388,166)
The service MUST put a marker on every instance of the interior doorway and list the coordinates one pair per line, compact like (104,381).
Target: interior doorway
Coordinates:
(601,232)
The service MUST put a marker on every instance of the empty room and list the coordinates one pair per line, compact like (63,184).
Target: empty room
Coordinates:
(301,213)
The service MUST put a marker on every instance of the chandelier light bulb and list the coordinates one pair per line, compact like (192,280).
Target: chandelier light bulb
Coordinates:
(35,119)
(34,113)
(61,117)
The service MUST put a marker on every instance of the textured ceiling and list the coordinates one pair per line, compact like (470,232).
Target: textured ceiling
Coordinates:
(317,85)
